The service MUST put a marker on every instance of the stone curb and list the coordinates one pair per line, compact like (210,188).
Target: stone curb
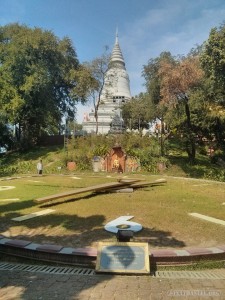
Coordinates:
(87,256)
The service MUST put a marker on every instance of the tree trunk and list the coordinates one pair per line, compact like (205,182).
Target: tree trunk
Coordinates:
(190,144)
(219,132)
(191,149)
(96,120)
(162,140)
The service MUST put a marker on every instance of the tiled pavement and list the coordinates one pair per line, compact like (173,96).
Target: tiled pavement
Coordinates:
(32,286)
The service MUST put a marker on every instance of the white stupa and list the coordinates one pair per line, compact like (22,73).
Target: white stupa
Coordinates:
(116,91)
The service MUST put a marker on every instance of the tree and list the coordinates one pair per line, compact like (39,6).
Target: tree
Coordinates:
(177,82)
(6,140)
(213,62)
(97,69)
(208,117)
(152,76)
(157,108)
(37,80)
(135,114)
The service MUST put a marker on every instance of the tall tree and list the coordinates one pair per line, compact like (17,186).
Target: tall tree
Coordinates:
(157,108)
(152,76)
(98,69)
(37,80)
(177,82)
(213,63)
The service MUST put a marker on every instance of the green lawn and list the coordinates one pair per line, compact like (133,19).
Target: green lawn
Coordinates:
(163,211)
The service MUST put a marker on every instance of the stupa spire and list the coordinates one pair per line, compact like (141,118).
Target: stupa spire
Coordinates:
(117,41)
(117,56)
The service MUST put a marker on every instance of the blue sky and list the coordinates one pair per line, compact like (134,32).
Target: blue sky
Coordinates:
(146,27)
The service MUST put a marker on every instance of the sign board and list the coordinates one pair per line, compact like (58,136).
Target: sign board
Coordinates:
(128,257)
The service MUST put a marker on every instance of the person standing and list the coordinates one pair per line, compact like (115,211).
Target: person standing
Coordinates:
(40,167)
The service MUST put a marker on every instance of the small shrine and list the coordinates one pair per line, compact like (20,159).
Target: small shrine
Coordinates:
(115,161)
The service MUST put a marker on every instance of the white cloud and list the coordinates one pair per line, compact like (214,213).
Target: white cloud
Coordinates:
(177,27)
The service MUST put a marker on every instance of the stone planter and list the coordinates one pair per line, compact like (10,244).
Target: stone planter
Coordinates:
(71,165)
(161,166)
(96,164)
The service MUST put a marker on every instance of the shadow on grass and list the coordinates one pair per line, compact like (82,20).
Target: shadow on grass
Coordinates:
(196,171)
(87,230)
(59,202)
(50,225)
(158,238)
(15,206)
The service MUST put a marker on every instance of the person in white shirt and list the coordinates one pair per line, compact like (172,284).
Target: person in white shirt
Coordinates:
(40,167)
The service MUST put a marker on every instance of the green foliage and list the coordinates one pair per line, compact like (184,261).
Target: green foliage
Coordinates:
(37,80)
(6,134)
(215,174)
(152,77)
(20,167)
(146,150)
(151,163)
(213,62)
(8,170)
(100,150)
(138,112)
(23,162)
(83,162)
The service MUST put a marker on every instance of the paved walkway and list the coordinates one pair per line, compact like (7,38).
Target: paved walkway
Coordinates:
(31,286)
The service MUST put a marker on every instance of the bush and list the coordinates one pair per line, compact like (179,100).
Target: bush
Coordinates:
(146,149)
(218,175)
(82,150)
